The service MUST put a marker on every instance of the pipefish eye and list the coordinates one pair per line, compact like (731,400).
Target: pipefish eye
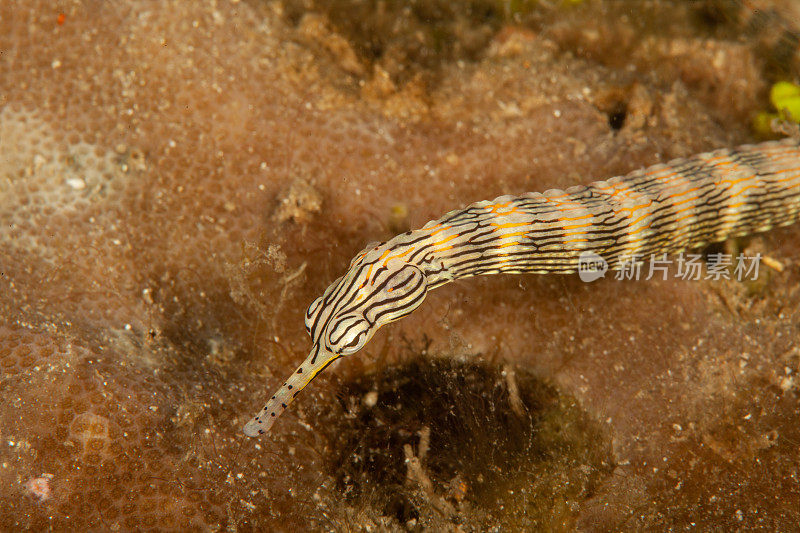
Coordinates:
(311,313)
(348,335)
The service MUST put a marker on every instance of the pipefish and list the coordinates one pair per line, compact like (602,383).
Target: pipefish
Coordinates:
(666,208)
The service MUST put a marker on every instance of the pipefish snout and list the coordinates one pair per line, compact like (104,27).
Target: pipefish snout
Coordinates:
(666,208)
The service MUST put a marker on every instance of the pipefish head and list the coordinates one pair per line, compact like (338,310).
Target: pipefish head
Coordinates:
(377,289)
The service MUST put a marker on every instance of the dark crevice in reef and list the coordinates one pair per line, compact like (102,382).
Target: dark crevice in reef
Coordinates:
(617,115)
(476,444)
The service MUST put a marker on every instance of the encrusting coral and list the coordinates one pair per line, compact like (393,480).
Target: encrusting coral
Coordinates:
(179,180)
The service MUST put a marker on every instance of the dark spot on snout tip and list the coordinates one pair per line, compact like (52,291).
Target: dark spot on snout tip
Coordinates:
(289,387)
(272,414)
(299,370)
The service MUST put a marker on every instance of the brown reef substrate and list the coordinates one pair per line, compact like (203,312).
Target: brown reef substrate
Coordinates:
(179,180)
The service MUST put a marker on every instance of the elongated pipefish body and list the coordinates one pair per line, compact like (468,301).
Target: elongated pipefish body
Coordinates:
(665,208)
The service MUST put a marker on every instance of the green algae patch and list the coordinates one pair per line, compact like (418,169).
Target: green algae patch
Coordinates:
(785,99)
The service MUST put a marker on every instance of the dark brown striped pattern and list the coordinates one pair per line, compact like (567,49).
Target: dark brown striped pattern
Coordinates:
(666,208)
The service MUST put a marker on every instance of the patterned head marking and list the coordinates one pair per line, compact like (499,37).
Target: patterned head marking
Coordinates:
(378,288)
